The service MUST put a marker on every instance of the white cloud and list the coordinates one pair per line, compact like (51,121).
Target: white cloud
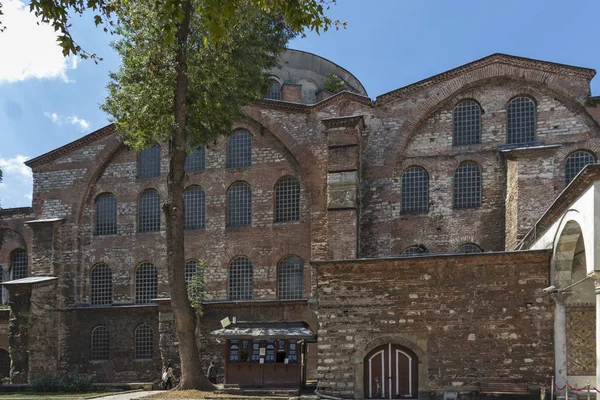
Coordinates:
(81,123)
(15,166)
(29,50)
(17,182)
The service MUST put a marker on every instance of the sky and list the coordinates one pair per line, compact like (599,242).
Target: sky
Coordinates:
(47,101)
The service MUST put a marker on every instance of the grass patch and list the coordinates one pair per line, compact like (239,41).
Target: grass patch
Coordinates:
(198,394)
(35,395)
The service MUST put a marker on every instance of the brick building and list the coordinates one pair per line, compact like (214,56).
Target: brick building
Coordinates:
(395,247)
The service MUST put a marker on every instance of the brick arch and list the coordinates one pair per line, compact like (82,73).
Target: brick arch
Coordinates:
(13,240)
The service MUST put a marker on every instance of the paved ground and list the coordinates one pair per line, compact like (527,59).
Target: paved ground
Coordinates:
(128,396)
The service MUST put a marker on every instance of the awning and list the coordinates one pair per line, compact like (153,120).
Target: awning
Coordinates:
(266,330)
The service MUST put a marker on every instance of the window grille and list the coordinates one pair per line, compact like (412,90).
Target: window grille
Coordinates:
(576,162)
(274,92)
(415,190)
(239,205)
(414,251)
(287,200)
(196,161)
(240,279)
(149,162)
(100,343)
(101,285)
(18,264)
(144,342)
(106,215)
(194,205)
(146,283)
(190,271)
(521,121)
(467,185)
(467,123)
(4,364)
(290,278)
(149,211)
(469,248)
(239,149)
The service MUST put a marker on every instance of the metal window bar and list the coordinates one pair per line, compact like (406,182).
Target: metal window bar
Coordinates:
(469,248)
(149,212)
(274,92)
(196,161)
(290,273)
(18,264)
(144,342)
(576,162)
(467,185)
(414,251)
(101,285)
(467,123)
(240,279)
(148,165)
(194,206)
(190,271)
(239,205)
(106,215)
(287,200)
(415,190)
(100,344)
(146,283)
(521,121)
(239,149)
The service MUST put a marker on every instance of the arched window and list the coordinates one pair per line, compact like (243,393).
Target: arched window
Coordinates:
(469,248)
(290,273)
(146,283)
(100,343)
(106,214)
(239,149)
(194,206)
(414,251)
(144,342)
(287,200)
(149,211)
(18,264)
(101,285)
(4,363)
(274,92)
(240,279)
(239,205)
(467,123)
(415,190)
(467,185)
(521,121)
(196,161)
(575,163)
(148,165)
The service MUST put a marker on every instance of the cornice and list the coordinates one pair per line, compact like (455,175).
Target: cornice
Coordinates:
(6,212)
(307,109)
(344,122)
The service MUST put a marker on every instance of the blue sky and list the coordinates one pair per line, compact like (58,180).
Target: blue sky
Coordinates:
(47,101)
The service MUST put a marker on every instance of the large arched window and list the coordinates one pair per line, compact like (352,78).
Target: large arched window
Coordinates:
(146,283)
(101,285)
(149,211)
(239,149)
(467,185)
(521,121)
(287,200)
(144,342)
(274,92)
(240,279)
(148,165)
(467,123)
(468,248)
(106,215)
(18,264)
(100,343)
(415,190)
(414,251)
(239,205)
(290,273)
(194,205)
(196,161)
(4,363)
(575,163)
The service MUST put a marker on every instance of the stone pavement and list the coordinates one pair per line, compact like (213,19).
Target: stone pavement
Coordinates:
(128,396)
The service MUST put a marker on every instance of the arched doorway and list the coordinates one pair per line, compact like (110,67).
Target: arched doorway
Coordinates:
(4,363)
(391,372)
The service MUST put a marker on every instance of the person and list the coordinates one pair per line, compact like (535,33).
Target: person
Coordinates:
(211,373)
(168,377)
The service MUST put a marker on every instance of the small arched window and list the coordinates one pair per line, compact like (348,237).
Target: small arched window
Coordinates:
(144,342)
(239,149)
(415,190)
(239,205)
(240,279)
(146,283)
(196,161)
(101,285)
(18,264)
(521,121)
(274,92)
(100,343)
(575,163)
(194,206)
(290,273)
(414,251)
(468,248)
(149,211)
(148,165)
(287,200)
(106,214)
(467,185)
(467,123)
(4,363)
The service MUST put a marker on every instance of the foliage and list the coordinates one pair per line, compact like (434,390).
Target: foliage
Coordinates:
(46,380)
(196,288)
(334,83)
(593,102)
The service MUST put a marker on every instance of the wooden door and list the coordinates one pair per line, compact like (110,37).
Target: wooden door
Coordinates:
(391,373)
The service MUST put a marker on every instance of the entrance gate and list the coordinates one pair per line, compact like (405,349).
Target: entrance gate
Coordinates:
(391,372)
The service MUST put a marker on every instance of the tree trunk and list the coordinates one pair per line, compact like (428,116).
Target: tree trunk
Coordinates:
(192,376)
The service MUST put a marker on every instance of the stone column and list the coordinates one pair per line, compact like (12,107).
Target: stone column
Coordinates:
(560,339)
(18,339)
